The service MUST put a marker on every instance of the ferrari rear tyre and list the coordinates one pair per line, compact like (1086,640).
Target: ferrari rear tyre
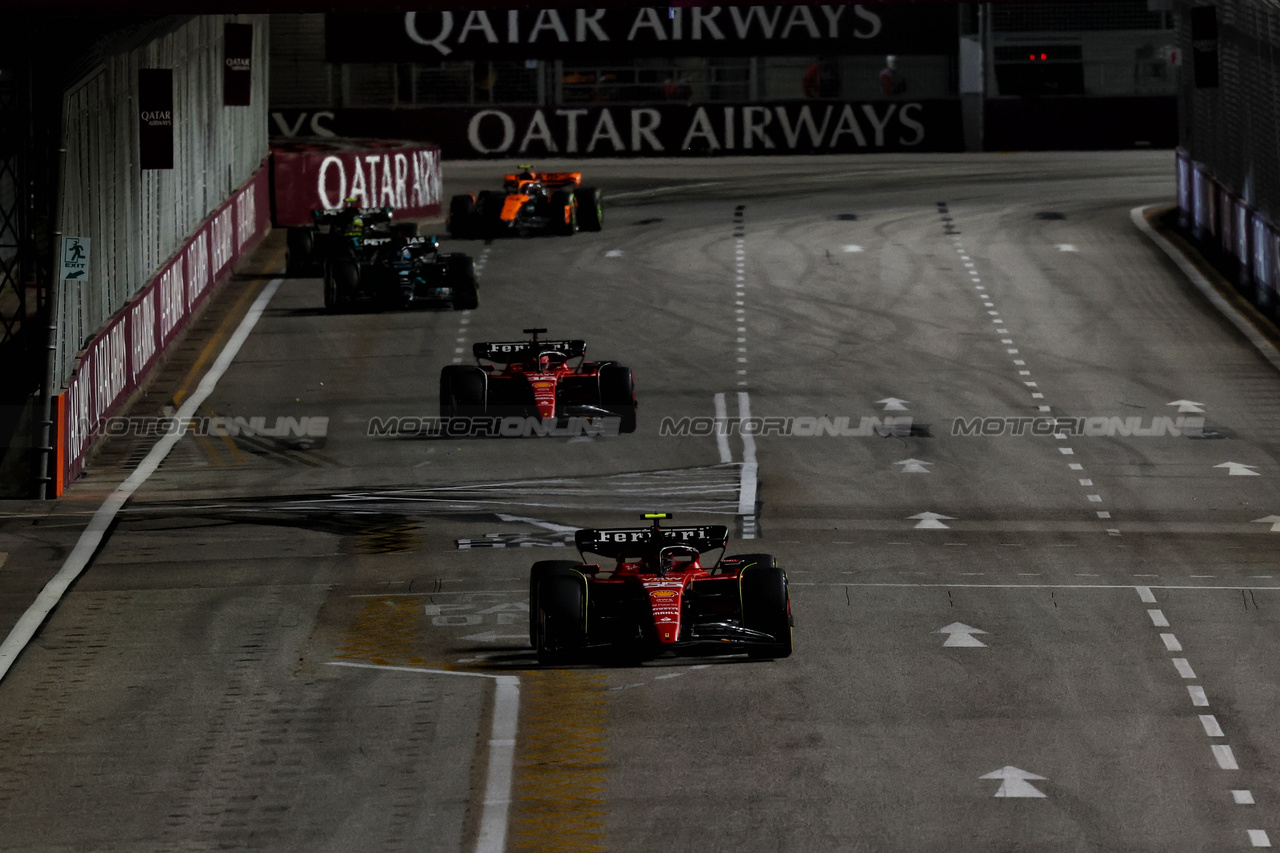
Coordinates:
(560,624)
(462,391)
(540,570)
(341,279)
(590,209)
(766,604)
(462,212)
(618,394)
(299,242)
(564,206)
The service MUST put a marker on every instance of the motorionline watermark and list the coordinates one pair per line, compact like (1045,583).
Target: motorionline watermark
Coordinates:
(1155,427)
(800,427)
(491,426)
(279,427)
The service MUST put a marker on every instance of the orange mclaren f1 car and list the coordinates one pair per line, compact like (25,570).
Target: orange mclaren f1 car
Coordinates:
(530,202)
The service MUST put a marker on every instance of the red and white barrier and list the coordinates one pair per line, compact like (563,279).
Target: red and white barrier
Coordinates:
(121,356)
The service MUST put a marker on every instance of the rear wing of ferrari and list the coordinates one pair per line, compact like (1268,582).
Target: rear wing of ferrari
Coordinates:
(616,542)
(501,352)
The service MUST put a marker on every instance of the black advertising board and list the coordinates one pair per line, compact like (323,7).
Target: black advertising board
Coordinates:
(155,118)
(1204,46)
(237,64)
(622,33)
(658,130)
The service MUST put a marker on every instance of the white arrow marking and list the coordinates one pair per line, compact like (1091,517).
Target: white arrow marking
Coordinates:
(930,521)
(960,634)
(613,253)
(1239,469)
(1273,520)
(914,466)
(893,404)
(494,636)
(1065,247)
(1015,782)
(1188,406)
(853,248)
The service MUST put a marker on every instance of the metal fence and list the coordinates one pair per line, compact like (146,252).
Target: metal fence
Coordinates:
(1233,129)
(137,219)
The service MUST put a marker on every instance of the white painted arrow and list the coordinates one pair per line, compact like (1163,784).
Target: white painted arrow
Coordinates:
(961,635)
(893,404)
(914,466)
(930,521)
(1273,520)
(494,636)
(1065,247)
(1239,469)
(1014,782)
(1188,406)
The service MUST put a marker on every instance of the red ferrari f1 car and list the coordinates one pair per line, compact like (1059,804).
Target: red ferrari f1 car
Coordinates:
(547,380)
(658,598)
(530,202)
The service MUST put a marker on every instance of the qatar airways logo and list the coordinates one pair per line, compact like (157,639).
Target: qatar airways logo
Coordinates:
(447,31)
(239,63)
(157,118)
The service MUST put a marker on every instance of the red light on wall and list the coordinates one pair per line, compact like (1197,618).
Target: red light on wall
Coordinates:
(1044,56)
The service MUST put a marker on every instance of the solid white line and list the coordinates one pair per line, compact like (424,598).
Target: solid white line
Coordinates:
(502,750)
(1211,727)
(722,439)
(1226,758)
(1202,284)
(91,538)
(748,441)
(748,482)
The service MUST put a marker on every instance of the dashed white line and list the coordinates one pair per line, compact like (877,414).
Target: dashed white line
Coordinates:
(1211,727)
(1224,756)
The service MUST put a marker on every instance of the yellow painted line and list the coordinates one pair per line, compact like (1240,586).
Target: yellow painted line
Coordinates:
(561,762)
(385,632)
(207,353)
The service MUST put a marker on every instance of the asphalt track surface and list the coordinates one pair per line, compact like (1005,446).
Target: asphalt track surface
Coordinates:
(1044,639)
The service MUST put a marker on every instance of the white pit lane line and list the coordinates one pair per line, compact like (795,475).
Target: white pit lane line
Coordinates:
(30,621)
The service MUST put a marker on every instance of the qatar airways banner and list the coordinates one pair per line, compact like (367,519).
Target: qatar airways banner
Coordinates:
(315,174)
(671,130)
(626,32)
(121,355)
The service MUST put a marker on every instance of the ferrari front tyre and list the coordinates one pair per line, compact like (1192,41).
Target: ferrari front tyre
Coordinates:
(590,210)
(540,570)
(462,210)
(564,209)
(462,391)
(460,274)
(766,605)
(560,622)
(618,394)
(299,241)
(341,279)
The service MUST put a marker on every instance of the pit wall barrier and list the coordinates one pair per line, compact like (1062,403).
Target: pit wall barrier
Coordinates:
(315,174)
(1238,239)
(121,355)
